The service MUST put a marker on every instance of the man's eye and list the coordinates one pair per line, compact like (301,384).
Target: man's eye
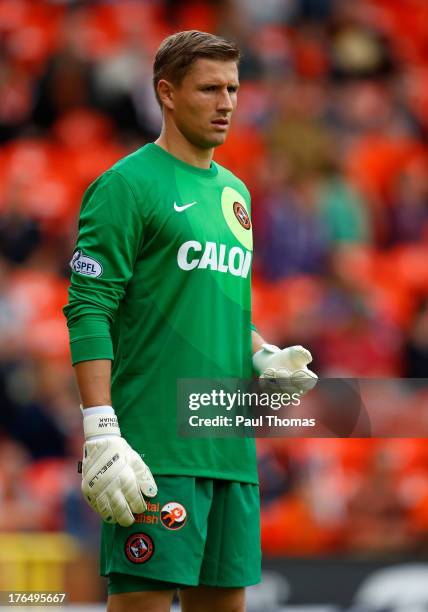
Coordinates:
(232,89)
(209,88)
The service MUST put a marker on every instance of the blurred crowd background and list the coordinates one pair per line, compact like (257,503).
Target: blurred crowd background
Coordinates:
(330,137)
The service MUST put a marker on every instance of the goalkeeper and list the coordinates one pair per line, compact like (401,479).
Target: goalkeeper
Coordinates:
(160,290)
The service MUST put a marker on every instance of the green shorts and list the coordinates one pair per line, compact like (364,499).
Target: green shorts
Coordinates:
(196,531)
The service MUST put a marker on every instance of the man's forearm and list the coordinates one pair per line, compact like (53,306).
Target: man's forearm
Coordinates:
(116,493)
(257,341)
(93,379)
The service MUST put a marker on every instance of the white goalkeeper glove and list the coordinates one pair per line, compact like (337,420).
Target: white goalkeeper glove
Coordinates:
(285,369)
(114,477)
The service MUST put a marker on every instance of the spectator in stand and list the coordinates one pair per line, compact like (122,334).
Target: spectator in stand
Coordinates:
(19,510)
(291,239)
(377,520)
(409,207)
(68,79)
(19,234)
(416,346)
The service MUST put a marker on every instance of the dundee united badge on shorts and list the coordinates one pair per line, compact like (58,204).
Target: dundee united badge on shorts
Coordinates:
(173,515)
(139,548)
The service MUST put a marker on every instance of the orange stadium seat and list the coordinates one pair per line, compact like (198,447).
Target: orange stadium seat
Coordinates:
(289,527)
(242,153)
(410,263)
(374,162)
(32,40)
(38,295)
(88,147)
(81,127)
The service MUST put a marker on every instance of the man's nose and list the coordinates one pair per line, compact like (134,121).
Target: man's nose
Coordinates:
(225,102)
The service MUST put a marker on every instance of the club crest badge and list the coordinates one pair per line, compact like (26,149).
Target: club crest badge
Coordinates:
(139,548)
(235,212)
(242,215)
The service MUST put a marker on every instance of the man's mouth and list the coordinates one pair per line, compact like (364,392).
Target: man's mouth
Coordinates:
(221,124)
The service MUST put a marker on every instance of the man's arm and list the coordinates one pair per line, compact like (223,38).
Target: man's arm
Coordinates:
(109,241)
(114,477)
(257,341)
(93,380)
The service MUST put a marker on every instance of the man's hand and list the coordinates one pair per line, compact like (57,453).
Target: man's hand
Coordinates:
(114,477)
(286,369)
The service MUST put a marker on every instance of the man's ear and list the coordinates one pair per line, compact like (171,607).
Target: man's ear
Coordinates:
(166,94)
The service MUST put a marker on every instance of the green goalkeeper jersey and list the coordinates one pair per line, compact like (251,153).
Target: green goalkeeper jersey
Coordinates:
(161,285)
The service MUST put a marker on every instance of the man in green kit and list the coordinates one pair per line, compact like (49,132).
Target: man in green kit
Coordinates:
(160,291)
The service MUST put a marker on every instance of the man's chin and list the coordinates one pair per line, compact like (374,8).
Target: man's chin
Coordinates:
(217,140)
(209,142)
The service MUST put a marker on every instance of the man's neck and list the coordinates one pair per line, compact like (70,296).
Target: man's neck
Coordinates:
(178,146)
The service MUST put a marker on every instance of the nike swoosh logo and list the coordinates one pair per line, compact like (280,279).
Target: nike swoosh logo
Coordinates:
(181,208)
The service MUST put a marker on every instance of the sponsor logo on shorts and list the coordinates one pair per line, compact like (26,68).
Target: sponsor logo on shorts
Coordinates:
(150,516)
(139,548)
(173,516)
(242,215)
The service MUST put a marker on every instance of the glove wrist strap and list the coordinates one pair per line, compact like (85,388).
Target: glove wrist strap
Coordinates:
(90,410)
(103,423)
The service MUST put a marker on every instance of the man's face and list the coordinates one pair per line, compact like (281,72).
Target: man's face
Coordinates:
(202,105)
